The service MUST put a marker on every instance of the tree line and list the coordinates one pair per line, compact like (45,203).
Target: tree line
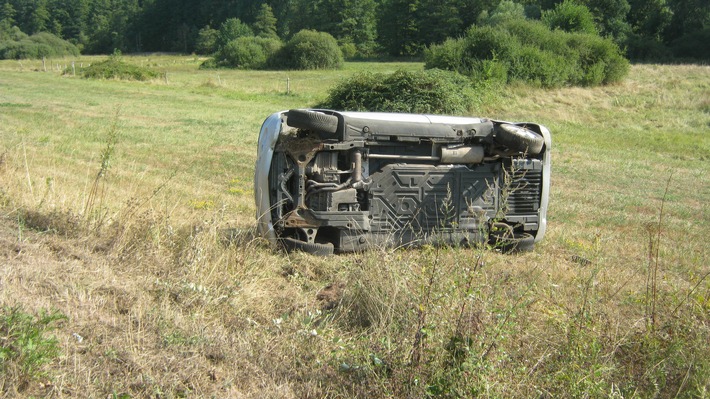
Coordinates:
(646,29)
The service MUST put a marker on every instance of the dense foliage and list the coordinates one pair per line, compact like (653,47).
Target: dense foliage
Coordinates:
(248,52)
(529,51)
(430,91)
(649,29)
(309,49)
(115,68)
(14,44)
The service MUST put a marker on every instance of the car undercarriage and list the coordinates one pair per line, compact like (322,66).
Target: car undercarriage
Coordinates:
(329,181)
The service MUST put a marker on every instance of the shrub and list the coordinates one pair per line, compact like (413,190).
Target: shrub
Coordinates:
(537,34)
(506,10)
(529,51)
(11,34)
(570,16)
(246,53)
(348,48)
(309,49)
(242,53)
(115,68)
(232,29)
(540,67)
(487,43)
(430,91)
(600,60)
(17,45)
(206,40)
(447,55)
(484,53)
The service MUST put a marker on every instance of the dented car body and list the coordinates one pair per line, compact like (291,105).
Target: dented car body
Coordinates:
(329,181)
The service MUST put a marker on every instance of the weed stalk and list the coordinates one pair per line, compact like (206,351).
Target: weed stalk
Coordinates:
(98,188)
(654,244)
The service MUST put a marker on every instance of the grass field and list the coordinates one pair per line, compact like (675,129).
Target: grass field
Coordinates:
(117,199)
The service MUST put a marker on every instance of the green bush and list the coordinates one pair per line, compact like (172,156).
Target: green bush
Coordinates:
(309,49)
(570,16)
(599,59)
(531,52)
(11,33)
(206,42)
(17,45)
(487,43)
(505,11)
(249,52)
(537,34)
(232,29)
(348,48)
(447,55)
(430,91)
(540,67)
(484,53)
(115,68)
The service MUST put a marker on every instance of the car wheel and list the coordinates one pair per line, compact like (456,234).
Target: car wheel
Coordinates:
(292,244)
(518,138)
(311,120)
(518,242)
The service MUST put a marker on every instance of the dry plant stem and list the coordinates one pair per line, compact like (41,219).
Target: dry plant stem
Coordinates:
(98,188)
(467,289)
(687,296)
(654,259)
(418,344)
(27,168)
(499,328)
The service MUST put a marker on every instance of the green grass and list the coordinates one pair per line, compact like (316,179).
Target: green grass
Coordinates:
(168,308)
(26,347)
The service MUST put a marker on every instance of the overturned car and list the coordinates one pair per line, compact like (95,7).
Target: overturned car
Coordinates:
(329,181)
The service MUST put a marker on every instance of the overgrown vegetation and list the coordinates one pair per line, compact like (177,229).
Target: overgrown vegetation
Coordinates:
(168,293)
(528,51)
(249,52)
(309,49)
(430,91)
(235,45)
(16,45)
(115,68)
(306,50)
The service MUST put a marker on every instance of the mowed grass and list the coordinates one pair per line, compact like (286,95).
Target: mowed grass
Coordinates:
(613,303)
(199,128)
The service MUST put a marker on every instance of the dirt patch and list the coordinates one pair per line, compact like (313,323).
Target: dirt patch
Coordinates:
(330,296)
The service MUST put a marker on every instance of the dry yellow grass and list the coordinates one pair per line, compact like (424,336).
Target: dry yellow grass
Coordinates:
(168,293)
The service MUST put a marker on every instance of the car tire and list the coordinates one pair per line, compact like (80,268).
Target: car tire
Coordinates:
(508,244)
(518,138)
(292,244)
(312,120)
